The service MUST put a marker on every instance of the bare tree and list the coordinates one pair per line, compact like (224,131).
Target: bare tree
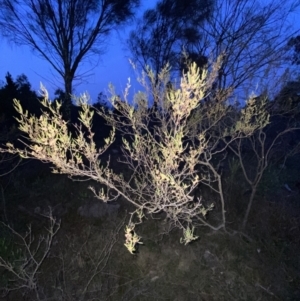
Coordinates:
(24,270)
(63,32)
(252,37)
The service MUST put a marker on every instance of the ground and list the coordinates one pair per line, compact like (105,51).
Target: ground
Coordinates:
(88,260)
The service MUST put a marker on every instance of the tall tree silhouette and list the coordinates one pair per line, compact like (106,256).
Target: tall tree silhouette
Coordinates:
(63,32)
(251,37)
(165,31)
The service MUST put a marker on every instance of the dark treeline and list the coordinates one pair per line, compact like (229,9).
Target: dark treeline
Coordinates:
(18,88)
(286,103)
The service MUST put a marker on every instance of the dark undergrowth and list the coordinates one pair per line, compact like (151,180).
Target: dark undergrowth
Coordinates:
(88,260)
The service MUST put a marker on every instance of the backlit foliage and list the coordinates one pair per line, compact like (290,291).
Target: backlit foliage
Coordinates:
(169,148)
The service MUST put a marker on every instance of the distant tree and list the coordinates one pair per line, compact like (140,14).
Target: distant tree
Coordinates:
(17,88)
(7,93)
(63,32)
(59,94)
(164,31)
(29,97)
(251,35)
(294,43)
(288,99)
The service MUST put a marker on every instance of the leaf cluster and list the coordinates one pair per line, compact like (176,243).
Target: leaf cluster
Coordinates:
(169,149)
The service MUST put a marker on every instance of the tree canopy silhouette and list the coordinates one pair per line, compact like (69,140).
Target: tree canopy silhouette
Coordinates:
(19,88)
(64,32)
(164,31)
(294,43)
(250,37)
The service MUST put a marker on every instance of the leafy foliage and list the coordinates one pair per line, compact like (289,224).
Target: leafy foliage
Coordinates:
(168,155)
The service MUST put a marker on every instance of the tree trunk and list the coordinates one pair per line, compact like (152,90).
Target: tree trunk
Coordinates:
(67,101)
(245,220)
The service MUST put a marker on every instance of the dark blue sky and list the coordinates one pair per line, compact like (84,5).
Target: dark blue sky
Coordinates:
(112,67)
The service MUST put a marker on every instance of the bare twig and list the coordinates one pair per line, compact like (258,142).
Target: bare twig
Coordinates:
(24,270)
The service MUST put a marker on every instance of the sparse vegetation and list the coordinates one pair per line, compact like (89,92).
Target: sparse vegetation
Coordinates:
(174,164)
(168,153)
